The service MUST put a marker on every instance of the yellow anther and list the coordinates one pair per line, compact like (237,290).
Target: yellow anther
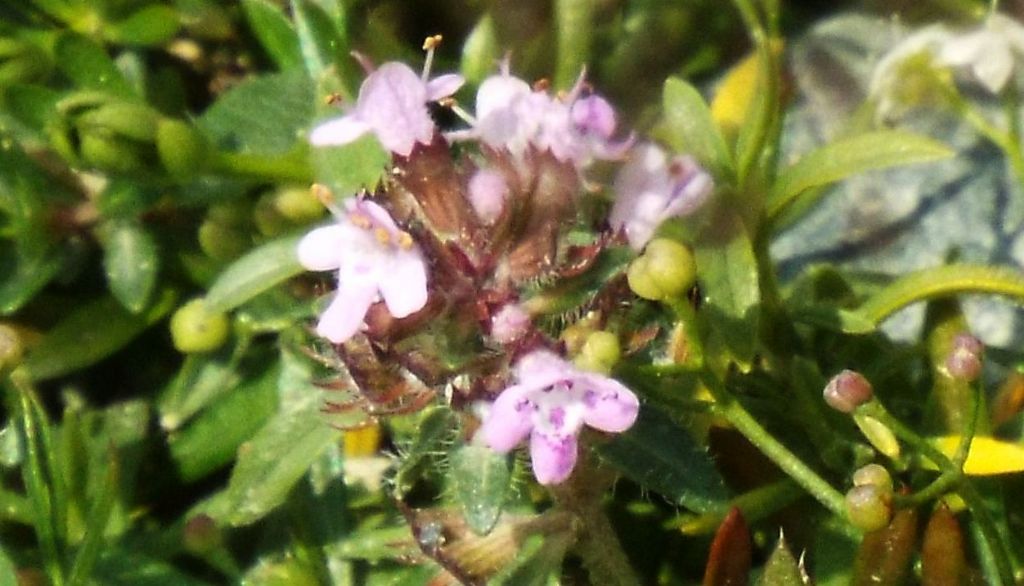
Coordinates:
(431,42)
(360,221)
(322,193)
(333,98)
(382,235)
(405,241)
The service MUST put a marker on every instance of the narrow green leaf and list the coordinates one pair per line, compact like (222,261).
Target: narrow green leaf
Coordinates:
(202,379)
(574,28)
(91,332)
(849,156)
(322,43)
(353,167)
(96,524)
(691,128)
(480,51)
(481,479)
(118,566)
(662,456)
(275,33)
(254,273)
(151,25)
(8,573)
(782,569)
(275,459)
(89,66)
(131,261)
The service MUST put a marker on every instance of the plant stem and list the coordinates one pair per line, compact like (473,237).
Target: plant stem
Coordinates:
(744,422)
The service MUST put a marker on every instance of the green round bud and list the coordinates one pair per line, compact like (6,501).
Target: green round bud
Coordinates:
(182,149)
(222,241)
(298,204)
(666,269)
(599,353)
(234,212)
(196,329)
(874,475)
(267,218)
(104,150)
(11,348)
(868,508)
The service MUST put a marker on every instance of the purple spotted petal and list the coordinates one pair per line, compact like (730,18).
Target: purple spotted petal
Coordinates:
(553,457)
(443,86)
(342,318)
(321,249)
(509,420)
(338,131)
(607,404)
(404,284)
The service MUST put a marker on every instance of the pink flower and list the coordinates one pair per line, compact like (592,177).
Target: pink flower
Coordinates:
(512,116)
(551,402)
(651,189)
(374,259)
(488,191)
(392,104)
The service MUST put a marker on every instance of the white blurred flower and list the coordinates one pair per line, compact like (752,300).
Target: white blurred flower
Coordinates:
(990,52)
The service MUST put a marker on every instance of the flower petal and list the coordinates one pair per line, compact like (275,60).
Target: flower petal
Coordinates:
(393,101)
(443,86)
(321,249)
(338,131)
(542,368)
(342,318)
(607,404)
(553,457)
(404,284)
(509,420)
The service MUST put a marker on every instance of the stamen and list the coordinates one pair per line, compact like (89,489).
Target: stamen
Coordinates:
(542,85)
(429,44)
(382,236)
(405,241)
(333,99)
(325,196)
(360,221)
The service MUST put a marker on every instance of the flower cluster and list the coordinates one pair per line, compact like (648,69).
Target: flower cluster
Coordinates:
(521,191)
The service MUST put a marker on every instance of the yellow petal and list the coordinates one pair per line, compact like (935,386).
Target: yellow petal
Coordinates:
(737,91)
(988,456)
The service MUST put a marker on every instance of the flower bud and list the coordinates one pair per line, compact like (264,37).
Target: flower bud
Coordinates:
(879,435)
(868,507)
(847,391)
(201,535)
(873,475)
(268,220)
(182,149)
(297,204)
(510,323)
(196,329)
(666,269)
(487,194)
(599,353)
(964,359)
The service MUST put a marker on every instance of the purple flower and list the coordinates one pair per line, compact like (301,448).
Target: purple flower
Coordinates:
(550,402)
(651,189)
(374,259)
(488,191)
(514,117)
(392,104)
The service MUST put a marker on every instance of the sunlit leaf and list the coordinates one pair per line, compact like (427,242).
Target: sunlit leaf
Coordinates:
(274,31)
(691,128)
(259,270)
(89,66)
(151,25)
(481,479)
(131,262)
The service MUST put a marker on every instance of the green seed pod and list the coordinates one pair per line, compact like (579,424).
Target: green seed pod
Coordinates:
(868,508)
(132,121)
(196,329)
(267,218)
(297,204)
(599,353)
(879,435)
(183,150)
(105,150)
(665,270)
(874,475)
(222,241)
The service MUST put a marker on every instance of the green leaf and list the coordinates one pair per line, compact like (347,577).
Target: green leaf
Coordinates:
(117,566)
(96,524)
(782,568)
(89,66)
(281,452)
(131,262)
(728,277)
(574,30)
(480,51)
(211,440)
(661,456)
(691,128)
(91,332)
(254,273)
(152,25)
(849,156)
(275,33)
(8,573)
(263,115)
(480,480)
(353,167)
(323,44)
(535,564)
(433,433)
(202,379)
